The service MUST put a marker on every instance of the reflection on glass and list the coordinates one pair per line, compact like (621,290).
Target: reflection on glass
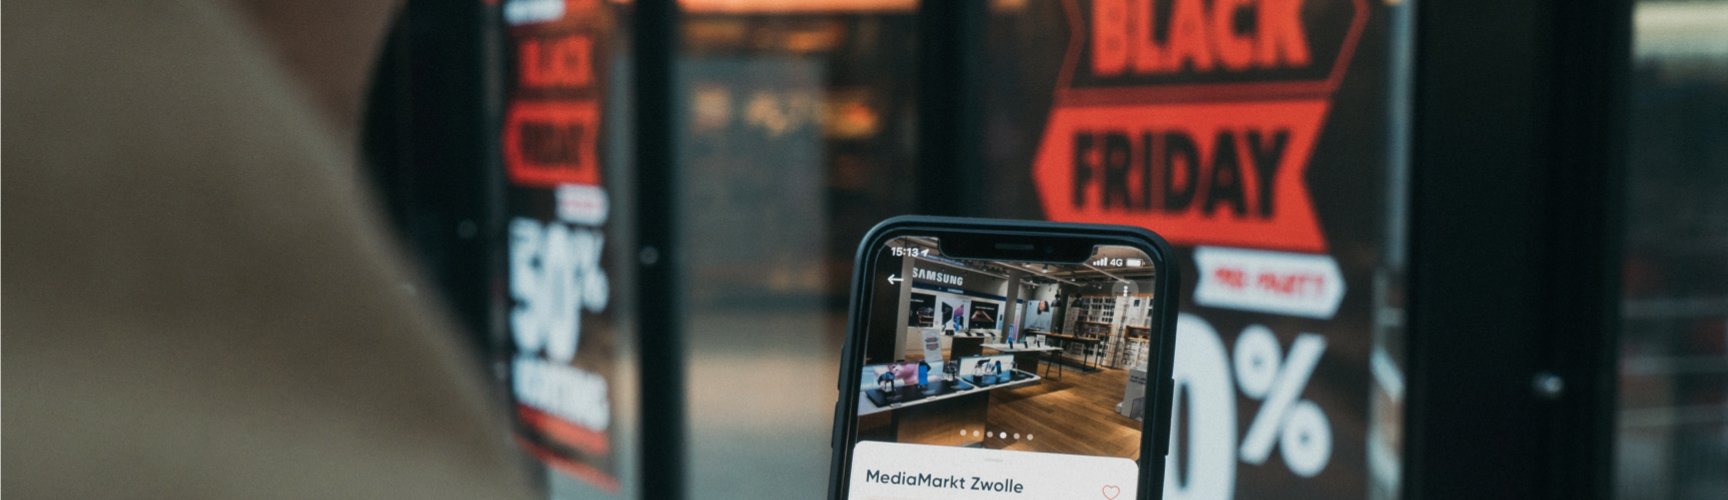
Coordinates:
(795,139)
(1673,421)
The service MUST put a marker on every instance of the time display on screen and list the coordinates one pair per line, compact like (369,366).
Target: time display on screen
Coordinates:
(910,251)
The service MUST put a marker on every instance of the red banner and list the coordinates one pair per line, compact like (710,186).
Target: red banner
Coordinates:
(1214,173)
(547,143)
(1177,115)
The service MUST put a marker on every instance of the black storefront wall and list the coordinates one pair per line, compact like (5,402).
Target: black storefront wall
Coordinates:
(427,147)
(1518,159)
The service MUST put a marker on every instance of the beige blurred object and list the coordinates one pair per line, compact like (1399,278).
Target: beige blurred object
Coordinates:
(200,303)
(328,47)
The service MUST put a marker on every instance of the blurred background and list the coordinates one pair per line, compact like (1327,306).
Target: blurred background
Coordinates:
(503,143)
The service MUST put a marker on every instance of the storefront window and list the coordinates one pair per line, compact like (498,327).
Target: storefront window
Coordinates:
(796,137)
(1673,420)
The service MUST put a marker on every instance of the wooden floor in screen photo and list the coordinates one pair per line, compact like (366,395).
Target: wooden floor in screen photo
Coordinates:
(1075,414)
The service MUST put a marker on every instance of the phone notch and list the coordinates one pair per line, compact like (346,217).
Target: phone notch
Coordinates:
(1051,249)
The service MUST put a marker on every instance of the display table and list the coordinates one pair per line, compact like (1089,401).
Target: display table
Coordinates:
(912,393)
(939,414)
(937,390)
(1025,357)
(1085,363)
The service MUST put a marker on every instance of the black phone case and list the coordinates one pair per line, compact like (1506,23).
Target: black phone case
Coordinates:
(1166,286)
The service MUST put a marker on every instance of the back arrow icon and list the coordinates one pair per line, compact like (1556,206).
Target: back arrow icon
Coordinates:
(894,279)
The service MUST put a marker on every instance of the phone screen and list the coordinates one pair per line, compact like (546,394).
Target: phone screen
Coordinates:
(996,379)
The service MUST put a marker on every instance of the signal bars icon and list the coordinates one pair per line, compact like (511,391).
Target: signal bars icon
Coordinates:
(1101,262)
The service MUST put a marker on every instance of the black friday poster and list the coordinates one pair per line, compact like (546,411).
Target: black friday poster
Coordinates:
(1272,176)
(562,339)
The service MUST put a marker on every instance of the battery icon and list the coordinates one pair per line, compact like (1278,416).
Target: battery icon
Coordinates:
(1136,263)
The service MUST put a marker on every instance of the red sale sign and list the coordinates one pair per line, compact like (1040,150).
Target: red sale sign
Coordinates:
(552,143)
(1172,115)
(1226,173)
(561,331)
(1257,138)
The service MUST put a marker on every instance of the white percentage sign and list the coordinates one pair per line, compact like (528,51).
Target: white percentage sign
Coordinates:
(1298,426)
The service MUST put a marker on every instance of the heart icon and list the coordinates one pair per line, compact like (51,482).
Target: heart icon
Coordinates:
(1111,491)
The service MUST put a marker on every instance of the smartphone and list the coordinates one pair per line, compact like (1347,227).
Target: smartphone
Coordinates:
(996,359)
